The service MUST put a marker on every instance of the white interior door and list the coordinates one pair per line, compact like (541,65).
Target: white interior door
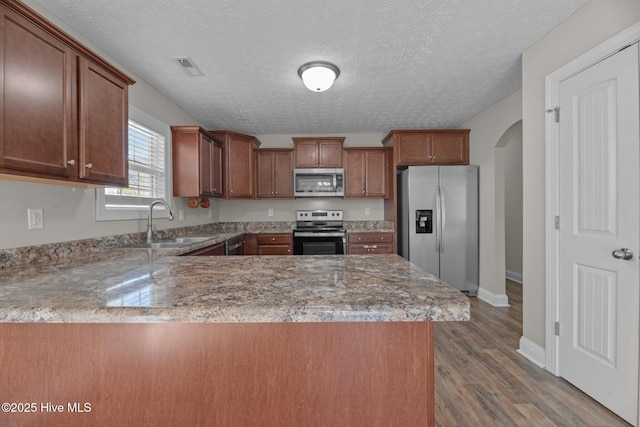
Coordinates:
(599,207)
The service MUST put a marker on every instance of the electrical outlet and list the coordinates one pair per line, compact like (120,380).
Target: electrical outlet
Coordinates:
(270,212)
(367,211)
(35,219)
(180,215)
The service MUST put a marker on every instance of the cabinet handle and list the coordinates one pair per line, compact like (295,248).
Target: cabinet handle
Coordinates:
(89,165)
(71,162)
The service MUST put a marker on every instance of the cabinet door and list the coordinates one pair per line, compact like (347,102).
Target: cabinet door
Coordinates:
(413,149)
(283,174)
(307,154)
(264,174)
(376,178)
(240,170)
(217,168)
(355,169)
(103,125)
(37,114)
(329,154)
(450,148)
(205,158)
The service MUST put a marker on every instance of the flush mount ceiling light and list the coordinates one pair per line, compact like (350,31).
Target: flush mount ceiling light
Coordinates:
(318,76)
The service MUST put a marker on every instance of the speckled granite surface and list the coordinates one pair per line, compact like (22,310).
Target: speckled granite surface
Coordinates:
(154,286)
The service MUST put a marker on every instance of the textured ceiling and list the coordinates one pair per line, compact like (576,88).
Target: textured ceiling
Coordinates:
(404,64)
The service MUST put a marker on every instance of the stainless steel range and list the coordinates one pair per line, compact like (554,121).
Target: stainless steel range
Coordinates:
(319,233)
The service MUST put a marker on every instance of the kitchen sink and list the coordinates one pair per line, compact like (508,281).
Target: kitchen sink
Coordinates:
(176,242)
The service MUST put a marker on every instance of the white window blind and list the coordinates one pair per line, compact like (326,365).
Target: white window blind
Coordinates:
(146,170)
(148,174)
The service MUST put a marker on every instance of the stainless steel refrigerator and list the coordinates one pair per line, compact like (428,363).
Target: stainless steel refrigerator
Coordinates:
(438,222)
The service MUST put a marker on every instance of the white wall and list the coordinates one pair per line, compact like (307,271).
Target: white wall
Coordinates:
(487,129)
(69,213)
(591,25)
(513,203)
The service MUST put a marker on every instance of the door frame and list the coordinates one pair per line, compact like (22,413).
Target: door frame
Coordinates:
(552,138)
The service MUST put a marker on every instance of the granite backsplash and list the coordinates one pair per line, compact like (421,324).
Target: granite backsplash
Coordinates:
(62,252)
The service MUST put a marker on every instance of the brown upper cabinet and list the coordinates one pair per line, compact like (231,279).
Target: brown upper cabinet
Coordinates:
(318,152)
(238,163)
(197,162)
(64,109)
(274,173)
(429,147)
(367,172)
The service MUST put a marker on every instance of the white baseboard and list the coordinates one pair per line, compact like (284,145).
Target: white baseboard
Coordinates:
(496,300)
(516,277)
(533,352)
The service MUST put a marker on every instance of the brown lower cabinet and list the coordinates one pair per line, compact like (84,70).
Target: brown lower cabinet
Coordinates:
(215,250)
(370,243)
(269,244)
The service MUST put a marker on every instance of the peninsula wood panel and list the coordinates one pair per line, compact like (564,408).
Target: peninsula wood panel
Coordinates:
(221,374)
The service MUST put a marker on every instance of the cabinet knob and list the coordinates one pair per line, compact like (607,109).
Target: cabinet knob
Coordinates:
(89,165)
(273,238)
(71,162)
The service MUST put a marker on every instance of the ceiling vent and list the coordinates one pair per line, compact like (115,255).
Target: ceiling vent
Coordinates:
(189,67)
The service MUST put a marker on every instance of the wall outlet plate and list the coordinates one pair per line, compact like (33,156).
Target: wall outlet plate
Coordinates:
(35,219)
(270,212)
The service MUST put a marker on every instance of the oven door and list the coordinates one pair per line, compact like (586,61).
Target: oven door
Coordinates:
(309,243)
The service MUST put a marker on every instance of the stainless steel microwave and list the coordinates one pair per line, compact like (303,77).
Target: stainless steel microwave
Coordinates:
(318,182)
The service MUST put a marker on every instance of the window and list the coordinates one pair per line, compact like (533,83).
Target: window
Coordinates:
(148,172)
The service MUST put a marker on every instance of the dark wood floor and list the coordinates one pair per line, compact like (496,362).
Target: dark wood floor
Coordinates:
(480,379)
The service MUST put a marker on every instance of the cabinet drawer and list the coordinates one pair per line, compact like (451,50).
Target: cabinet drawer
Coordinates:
(274,239)
(370,237)
(274,250)
(370,248)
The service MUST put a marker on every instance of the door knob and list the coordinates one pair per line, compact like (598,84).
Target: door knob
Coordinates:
(623,253)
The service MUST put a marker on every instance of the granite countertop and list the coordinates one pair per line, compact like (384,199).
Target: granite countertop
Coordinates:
(123,286)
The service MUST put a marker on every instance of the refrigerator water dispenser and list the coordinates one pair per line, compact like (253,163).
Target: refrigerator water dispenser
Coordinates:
(424,221)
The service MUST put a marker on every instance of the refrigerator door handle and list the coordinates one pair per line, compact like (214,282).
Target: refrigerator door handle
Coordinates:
(443,216)
(438,215)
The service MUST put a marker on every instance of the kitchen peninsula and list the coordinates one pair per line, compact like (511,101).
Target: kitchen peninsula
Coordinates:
(145,337)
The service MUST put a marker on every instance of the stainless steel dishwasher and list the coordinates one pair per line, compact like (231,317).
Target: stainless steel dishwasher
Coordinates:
(235,246)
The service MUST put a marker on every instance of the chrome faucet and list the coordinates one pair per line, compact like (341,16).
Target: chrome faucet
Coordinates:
(150,223)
